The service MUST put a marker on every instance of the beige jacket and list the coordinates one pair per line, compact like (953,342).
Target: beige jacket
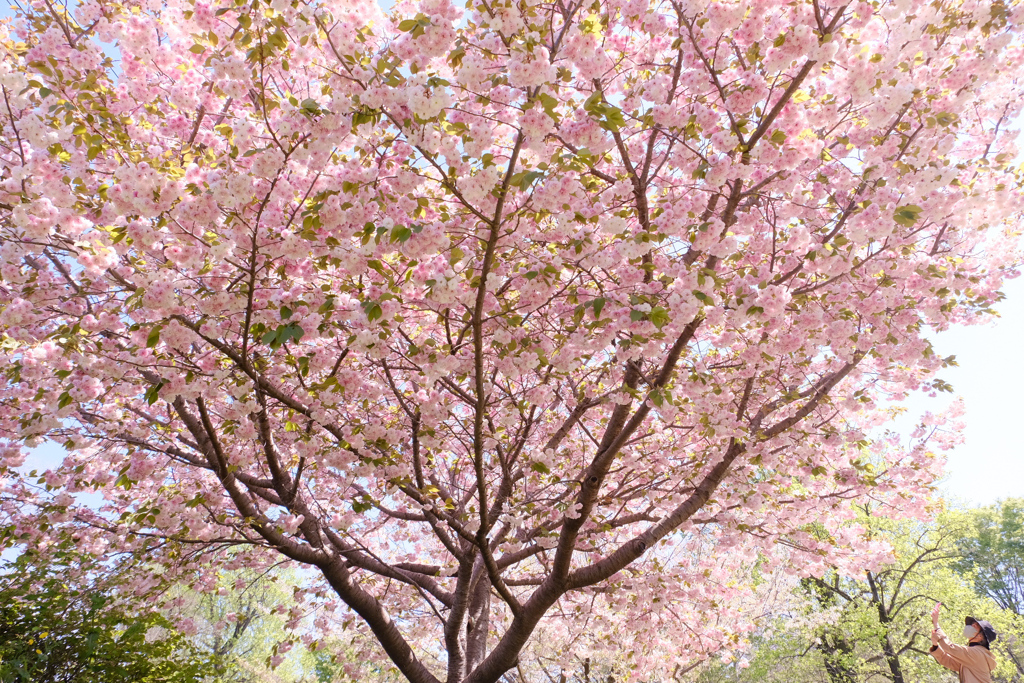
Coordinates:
(973,664)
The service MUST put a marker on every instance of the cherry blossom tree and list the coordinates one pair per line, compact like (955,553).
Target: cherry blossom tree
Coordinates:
(516,316)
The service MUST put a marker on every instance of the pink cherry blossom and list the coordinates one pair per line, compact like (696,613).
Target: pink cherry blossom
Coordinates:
(520,327)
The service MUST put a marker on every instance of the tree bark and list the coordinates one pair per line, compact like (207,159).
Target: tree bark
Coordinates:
(892,658)
(836,650)
(478,624)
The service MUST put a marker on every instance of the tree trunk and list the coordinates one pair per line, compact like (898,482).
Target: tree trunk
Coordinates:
(892,658)
(478,623)
(837,652)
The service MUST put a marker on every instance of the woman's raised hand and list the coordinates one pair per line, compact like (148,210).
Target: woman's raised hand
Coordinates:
(935,614)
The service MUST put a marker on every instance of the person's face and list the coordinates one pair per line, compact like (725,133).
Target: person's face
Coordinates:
(972,633)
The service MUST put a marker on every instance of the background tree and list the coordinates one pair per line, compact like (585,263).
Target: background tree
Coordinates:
(64,618)
(68,619)
(884,611)
(499,316)
(238,623)
(246,624)
(833,640)
(874,626)
(993,552)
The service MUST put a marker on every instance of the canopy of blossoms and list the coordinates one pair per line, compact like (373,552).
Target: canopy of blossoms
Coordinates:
(553,315)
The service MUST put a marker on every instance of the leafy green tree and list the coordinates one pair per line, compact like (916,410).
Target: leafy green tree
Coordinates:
(253,628)
(237,627)
(874,626)
(68,621)
(837,649)
(993,552)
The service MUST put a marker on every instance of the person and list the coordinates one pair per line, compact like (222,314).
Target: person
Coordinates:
(973,662)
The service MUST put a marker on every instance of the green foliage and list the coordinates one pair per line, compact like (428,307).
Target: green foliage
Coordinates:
(282,335)
(875,626)
(66,619)
(907,215)
(242,625)
(240,646)
(993,550)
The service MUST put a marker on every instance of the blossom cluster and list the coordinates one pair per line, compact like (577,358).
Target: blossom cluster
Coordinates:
(583,305)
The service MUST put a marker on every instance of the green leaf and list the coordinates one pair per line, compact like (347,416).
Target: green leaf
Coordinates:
(907,215)
(527,178)
(278,39)
(291,332)
(401,234)
(196,501)
(64,400)
(613,119)
(153,338)
(599,306)
(455,57)
(153,393)
(659,316)
(592,103)
(197,49)
(549,104)
(282,335)
(326,306)
(372,309)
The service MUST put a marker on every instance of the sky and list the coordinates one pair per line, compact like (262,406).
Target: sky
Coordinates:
(990,378)
(990,464)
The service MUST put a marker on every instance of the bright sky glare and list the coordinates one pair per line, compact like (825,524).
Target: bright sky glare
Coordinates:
(990,378)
